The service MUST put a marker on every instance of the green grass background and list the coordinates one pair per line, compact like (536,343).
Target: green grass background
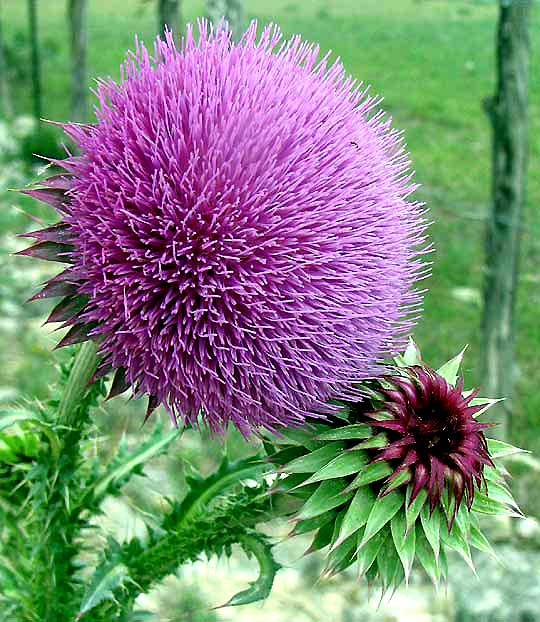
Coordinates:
(434,63)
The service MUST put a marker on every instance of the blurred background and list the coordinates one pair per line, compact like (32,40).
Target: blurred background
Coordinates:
(435,62)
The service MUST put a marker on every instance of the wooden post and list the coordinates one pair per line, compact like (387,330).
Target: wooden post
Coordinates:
(231,10)
(5,99)
(169,16)
(235,16)
(507,111)
(35,59)
(77,28)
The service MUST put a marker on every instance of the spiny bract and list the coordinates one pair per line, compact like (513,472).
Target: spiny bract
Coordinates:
(239,230)
(382,486)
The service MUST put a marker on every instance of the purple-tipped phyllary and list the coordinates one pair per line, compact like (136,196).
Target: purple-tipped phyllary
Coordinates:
(431,433)
(238,228)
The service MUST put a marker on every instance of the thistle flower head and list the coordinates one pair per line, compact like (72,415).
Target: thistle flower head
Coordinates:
(382,484)
(238,229)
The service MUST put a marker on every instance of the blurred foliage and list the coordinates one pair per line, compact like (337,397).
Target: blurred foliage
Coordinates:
(41,143)
(511,595)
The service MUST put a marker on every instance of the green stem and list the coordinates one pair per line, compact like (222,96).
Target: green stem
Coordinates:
(57,525)
(85,365)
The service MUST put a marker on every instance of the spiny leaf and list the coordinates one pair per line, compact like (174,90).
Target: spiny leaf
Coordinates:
(360,430)
(500,492)
(67,308)
(305,526)
(340,557)
(367,552)
(480,542)
(52,196)
(345,464)
(495,474)
(52,289)
(286,455)
(499,449)
(381,415)
(129,461)
(377,441)
(412,510)
(371,473)
(305,437)
(119,383)
(261,588)
(49,251)
(287,483)
(403,477)
(410,357)
(289,504)
(443,564)
(382,511)
(482,401)
(322,538)
(387,563)
(458,541)
(424,554)
(449,371)
(485,505)
(432,528)
(404,541)
(357,513)
(325,498)
(108,577)
(312,462)
(76,334)
(412,354)
(204,490)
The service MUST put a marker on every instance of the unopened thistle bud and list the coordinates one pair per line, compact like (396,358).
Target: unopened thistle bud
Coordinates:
(406,474)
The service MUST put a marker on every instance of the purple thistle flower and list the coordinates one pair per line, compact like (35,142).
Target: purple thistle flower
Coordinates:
(433,435)
(238,230)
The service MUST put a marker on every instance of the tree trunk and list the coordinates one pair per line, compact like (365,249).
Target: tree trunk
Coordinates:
(231,10)
(507,110)
(169,16)
(5,99)
(77,27)
(35,59)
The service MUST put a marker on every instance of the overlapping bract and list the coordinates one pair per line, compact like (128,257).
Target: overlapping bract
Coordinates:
(369,504)
(238,228)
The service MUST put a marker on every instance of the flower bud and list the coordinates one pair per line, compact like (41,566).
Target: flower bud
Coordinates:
(404,475)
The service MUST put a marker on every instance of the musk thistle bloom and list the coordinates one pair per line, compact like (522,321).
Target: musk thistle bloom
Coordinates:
(238,229)
(383,486)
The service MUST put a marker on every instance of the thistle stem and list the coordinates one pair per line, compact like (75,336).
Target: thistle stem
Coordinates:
(85,365)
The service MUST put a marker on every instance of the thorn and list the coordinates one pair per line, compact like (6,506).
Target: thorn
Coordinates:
(76,334)
(49,251)
(54,289)
(104,369)
(153,403)
(119,384)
